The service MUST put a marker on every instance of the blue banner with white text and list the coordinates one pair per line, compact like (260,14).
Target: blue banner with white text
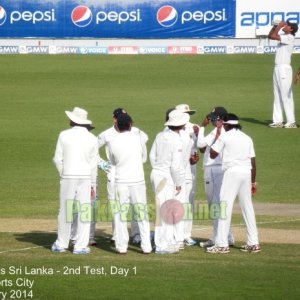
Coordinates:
(117,19)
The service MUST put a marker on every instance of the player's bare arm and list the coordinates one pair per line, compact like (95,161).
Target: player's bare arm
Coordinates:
(273,34)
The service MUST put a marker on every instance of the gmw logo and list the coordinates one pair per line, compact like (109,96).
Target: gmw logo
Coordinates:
(27,16)
(168,16)
(82,16)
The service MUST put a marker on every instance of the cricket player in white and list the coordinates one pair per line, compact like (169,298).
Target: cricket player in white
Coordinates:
(76,159)
(127,154)
(166,157)
(189,134)
(284,32)
(104,139)
(238,163)
(213,173)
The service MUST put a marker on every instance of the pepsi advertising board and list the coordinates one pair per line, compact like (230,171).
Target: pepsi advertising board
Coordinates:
(117,19)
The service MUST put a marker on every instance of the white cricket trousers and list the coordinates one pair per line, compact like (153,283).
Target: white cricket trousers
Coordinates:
(237,182)
(283,95)
(213,177)
(78,190)
(111,190)
(189,206)
(166,235)
(131,197)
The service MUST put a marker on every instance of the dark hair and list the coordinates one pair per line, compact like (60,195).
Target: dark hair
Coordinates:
(294,27)
(232,117)
(87,126)
(173,128)
(124,122)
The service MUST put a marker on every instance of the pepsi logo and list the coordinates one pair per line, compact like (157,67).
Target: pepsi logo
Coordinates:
(2,15)
(167,16)
(81,16)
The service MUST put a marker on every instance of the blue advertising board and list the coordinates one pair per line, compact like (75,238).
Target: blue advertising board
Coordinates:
(117,19)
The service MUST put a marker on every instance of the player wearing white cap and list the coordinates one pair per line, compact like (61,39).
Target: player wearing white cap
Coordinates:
(189,135)
(284,32)
(238,163)
(213,173)
(104,139)
(76,159)
(127,154)
(168,180)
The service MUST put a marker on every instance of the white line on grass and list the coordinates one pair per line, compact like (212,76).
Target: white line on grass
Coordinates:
(23,249)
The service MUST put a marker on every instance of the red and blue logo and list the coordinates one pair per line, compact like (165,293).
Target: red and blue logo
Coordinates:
(81,16)
(2,15)
(167,16)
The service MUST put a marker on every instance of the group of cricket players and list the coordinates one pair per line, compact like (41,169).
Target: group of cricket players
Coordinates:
(229,170)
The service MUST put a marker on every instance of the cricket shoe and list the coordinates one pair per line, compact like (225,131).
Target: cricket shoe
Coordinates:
(57,249)
(290,125)
(276,125)
(180,245)
(208,243)
(216,249)
(85,250)
(251,248)
(169,250)
(190,242)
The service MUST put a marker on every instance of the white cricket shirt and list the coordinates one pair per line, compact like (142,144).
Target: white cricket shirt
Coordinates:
(237,149)
(284,49)
(206,141)
(166,156)
(76,154)
(127,155)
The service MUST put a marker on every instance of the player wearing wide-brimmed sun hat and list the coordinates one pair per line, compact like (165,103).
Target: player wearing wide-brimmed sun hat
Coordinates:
(76,159)
(168,180)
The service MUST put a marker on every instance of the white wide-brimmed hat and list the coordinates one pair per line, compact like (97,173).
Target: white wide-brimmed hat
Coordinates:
(78,116)
(177,118)
(185,108)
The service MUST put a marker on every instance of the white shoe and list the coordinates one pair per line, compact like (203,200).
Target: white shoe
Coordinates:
(180,245)
(57,249)
(169,250)
(190,242)
(290,125)
(85,250)
(208,243)
(276,125)
(215,249)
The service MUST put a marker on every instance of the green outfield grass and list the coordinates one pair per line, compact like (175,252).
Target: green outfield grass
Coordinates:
(35,92)
(271,274)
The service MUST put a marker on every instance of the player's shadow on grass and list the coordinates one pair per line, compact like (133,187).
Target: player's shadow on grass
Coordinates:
(105,243)
(37,238)
(46,239)
(255,121)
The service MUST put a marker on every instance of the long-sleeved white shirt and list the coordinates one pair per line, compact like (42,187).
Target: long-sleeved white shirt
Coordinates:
(166,156)
(76,154)
(127,155)
(206,141)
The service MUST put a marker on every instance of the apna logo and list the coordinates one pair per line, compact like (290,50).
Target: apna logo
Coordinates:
(2,15)
(81,16)
(167,16)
